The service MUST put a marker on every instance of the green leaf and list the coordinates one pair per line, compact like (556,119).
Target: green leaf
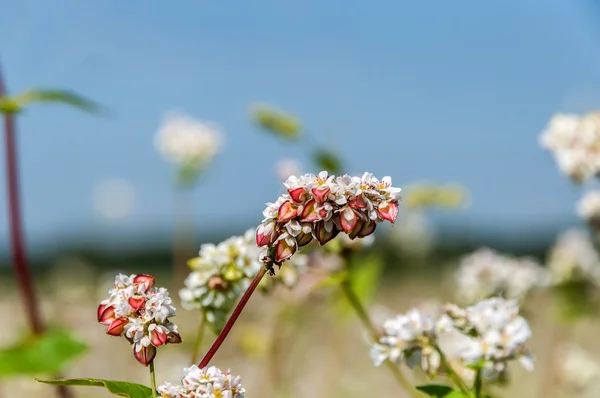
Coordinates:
(364,275)
(277,122)
(121,388)
(18,102)
(441,391)
(328,160)
(46,354)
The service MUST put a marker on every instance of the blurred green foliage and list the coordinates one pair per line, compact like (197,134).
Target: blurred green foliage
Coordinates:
(277,122)
(17,103)
(46,354)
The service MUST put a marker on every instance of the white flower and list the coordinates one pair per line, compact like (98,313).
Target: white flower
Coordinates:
(495,334)
(577,369)
(409,338)
(574,258)
(139,311)
(186,141)
(486,273)
(204,383)
(575,143)
(328,205)
(588,207)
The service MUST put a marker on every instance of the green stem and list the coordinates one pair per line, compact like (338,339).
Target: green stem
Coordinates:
(478,384)
(153,379)
(366,321)
(451,372)
(199,338)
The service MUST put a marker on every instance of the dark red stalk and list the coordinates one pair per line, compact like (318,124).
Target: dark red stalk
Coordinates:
(21,267)
(232,319)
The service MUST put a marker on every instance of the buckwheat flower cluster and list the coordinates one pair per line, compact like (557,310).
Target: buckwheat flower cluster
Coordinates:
(495,334)
(408,338)
(186,141)
(575,143)
(588,208)
(222,272)
(140,312)
(574,259)
(486,273)
(208,382)
(320,207)
(576,369)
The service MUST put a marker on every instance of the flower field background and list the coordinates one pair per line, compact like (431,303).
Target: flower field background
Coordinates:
(321,200)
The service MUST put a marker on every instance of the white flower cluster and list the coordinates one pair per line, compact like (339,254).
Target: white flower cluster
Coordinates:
(588,208)
(320,207)
(577,370)
(489,334)
(222,272)
(574,258)
(204,383)
(408,338)
(575,143)
(494,334)
(140,312)
(186,141)
(486,273)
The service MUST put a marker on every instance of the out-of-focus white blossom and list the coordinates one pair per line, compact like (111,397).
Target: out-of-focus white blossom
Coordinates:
(188,142)
(320,207)
(574,258)
(496,334)
(577,370)
(286,168)
(588,208)
(408,338)
(575,143)
(486,273)
(209,382)
(413,234)
(222,272)
(140,312)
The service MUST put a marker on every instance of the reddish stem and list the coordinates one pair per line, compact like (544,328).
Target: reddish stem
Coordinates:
(21,267)
(232,319)
(22,271)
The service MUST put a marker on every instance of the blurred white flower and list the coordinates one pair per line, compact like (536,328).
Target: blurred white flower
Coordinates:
(575,143)
(408,338)
(588,207)
(288,167)
(486,273)
(496,334)
(114,199)
(413,234)
(574,258)
(577,369)
(209,382)
(188,142)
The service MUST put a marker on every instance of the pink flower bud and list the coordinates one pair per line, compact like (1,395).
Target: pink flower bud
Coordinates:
(158,337)
(309,214)
(287,211)
(116,327)
(388,211)
(284,250)
(107,316)
(298,195)
(145,355)
(136,303)
(265,234)
(348,220)
(358,202)
(320,194)
(143,279)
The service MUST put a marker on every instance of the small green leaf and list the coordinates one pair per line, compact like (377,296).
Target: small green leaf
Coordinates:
(328,160)
(57,96)
(440,391)
(46,354)
(121,388)
(277,122)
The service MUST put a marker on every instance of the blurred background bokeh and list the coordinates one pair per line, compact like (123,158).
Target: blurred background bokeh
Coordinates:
(446,93)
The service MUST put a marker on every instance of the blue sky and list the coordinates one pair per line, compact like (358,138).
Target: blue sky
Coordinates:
(440,91)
